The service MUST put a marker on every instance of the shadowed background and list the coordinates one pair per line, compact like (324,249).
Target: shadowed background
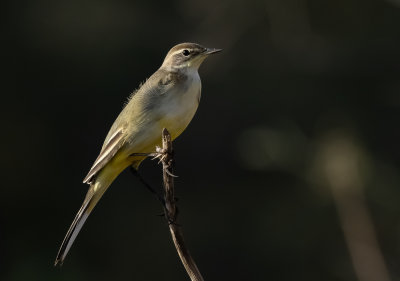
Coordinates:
(288,171)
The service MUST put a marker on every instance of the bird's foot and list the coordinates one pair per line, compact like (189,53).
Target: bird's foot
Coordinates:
(162,155)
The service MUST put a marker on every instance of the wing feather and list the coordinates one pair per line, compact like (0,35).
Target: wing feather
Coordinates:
(108,151)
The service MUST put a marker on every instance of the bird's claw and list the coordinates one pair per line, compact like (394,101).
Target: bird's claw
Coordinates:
(162,154)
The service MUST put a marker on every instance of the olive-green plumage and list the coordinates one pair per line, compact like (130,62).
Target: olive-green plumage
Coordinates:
(168,99)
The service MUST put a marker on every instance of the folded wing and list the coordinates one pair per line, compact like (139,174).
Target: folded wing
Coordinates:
(108,151)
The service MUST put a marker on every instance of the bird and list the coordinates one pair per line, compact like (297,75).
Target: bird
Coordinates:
(167,99)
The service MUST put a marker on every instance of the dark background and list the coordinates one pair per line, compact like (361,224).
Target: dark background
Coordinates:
(289,170)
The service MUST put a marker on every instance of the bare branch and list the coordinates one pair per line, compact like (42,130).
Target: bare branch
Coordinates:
(167,160)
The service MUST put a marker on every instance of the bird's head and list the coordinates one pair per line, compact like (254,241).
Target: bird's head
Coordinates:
(187,56)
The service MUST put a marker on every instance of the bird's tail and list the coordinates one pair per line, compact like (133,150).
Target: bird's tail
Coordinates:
(95,192)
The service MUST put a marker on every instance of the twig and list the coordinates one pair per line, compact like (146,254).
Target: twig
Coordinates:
(148,186)
(167,160)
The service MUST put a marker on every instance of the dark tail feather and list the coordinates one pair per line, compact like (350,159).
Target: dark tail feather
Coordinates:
(96,191)
(74,229)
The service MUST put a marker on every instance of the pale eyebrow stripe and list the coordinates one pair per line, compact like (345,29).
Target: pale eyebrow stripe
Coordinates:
(179,51)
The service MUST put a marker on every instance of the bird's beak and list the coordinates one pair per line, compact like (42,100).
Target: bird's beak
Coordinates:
(210,51)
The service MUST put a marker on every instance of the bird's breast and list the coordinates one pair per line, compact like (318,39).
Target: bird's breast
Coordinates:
(180,105)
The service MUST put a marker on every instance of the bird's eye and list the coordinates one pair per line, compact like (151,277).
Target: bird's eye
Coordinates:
(185,52)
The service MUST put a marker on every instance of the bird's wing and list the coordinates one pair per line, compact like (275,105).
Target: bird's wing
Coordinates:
(108,151)
(116,138)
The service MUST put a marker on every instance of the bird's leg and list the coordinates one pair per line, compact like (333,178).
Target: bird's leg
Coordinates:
(147,185)
(161,154)
(152,190)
